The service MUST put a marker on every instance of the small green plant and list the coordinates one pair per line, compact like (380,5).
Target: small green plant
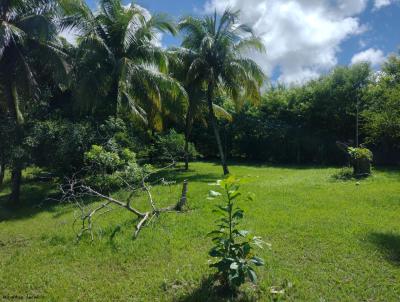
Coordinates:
(360,159)
(360,153)
(345,173)
(233,248)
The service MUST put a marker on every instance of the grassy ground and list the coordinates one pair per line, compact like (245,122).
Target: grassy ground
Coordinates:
(334,240)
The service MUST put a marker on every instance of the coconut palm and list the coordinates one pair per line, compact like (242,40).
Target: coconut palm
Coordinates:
(120,67)
(28,39)
(220,64)
(180,60)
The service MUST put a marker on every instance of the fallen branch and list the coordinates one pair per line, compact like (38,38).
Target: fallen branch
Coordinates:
(76,191)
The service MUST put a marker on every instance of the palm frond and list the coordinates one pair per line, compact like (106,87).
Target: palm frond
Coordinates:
(221,113)
(38,27)
(162,23)
(252,43)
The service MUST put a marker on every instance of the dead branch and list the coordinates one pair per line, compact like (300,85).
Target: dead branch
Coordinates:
(75,191)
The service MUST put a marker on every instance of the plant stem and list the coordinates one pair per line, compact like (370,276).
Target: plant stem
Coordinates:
(230,215)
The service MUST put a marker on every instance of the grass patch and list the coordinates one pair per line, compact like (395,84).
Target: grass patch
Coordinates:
(333,240)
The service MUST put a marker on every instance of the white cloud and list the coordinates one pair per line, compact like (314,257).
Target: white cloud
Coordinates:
(371,55)
(362,43)
(302,37)
(381,3)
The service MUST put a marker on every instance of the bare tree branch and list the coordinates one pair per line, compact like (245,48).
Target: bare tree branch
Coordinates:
(75,191)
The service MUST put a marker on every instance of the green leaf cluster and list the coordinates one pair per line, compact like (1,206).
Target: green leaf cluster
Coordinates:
(360,153)
(233,251)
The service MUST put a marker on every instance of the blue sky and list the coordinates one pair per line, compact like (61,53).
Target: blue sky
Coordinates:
(304,38)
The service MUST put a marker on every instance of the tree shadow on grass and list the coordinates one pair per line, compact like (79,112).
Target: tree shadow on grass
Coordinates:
(388,244)
(35,197)
(266,164)
(390,172)
(207,291)
(179,175)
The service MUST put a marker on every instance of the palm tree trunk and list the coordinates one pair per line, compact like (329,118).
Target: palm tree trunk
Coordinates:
(16,173)
(214,125)
(2,171)
(186,153)
(16,177)
(188,128)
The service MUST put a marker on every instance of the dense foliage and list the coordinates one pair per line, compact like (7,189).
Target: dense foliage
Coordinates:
(116,88)
(302,124)
(171,147)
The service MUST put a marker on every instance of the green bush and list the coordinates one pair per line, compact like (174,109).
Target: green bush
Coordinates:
(111,169)
(345,173)
(102,161)
(360,153)
(59,145)
(360,159)
(171,146)
(233,248)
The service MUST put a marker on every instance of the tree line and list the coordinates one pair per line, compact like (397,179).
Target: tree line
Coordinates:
(117,87)
(354,105)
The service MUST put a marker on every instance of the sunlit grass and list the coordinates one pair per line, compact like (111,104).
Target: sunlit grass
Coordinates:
(334,240)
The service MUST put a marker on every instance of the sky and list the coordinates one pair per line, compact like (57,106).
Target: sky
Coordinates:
(303,38)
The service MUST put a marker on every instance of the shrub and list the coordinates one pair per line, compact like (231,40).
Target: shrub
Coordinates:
(111,169)
(102,161)
(59,145)
(360,159)
(233,248)
(171,146)
(344,173)
(360,153)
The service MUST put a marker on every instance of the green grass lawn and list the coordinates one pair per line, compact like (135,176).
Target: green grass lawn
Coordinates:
(334,240)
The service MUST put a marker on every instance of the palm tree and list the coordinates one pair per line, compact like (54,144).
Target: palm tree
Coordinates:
(180,60)
(28,38)
(120,68)
(220,64)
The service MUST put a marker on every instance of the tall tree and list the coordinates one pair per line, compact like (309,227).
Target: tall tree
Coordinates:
(180,60)
(120,67)
(382,113)
(28,35)
(220,64)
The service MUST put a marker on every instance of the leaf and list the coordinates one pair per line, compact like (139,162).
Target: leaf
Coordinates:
(238,214)
(221,113)
(234,194)
(243,233)
(246,249)
(214,252)
(252,275)
(230,180)
(234,266)
(225,209)
(257,261)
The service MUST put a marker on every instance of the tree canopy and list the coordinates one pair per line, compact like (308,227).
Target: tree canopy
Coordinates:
(118,88)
